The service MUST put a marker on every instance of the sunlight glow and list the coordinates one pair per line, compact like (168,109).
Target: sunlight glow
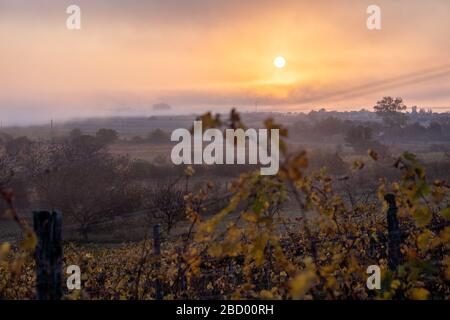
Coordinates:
(279,62)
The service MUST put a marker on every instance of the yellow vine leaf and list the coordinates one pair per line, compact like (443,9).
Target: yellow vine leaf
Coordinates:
(357,165)
(445,213)
(422,216)
(419,294)
(373,154)
(424,240)
(189,171)
(301,283)
(4,250)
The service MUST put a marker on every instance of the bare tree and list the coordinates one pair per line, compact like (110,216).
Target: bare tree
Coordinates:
(82,180)
(166,205)
(6,168)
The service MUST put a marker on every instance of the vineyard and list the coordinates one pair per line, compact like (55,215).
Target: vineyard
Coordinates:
(251,249)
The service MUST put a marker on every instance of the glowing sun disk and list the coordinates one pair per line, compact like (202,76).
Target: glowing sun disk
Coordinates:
(279,62)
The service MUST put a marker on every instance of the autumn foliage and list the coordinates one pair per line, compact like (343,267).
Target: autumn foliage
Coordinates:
(252,248)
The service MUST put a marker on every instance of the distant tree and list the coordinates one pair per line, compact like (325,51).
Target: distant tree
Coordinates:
(137,139)
(6,173)
(82,180)
(358,133)
(301,129)
(106,136)
(158,136)
(446,129)
(390,110)
(4,138)
(414,131)
(330,126)
(360,139)
(6,168)
(75,133)
(167,205)
(84,144)
(434,130)
(17,146)
(15,155)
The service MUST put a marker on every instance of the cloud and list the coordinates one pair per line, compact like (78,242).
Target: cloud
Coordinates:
(132,54)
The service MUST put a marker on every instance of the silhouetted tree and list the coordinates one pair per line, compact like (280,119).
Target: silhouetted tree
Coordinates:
(75,133)
(4,138)
(390,110)
(360,139)
(167,205)
(434,130)
(414,131)
(82,180)
(158,136)
(106,136)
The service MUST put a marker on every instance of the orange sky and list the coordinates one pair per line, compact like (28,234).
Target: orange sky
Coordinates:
(212,54)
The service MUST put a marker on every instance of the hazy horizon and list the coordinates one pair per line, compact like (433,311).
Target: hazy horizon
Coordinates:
(204,55)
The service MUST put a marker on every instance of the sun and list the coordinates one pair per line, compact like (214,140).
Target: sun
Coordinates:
(279,62)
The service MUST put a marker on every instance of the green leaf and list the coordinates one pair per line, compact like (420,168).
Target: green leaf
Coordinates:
(445,213)
(422,216)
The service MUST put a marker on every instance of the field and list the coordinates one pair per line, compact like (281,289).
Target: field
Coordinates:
(309,232)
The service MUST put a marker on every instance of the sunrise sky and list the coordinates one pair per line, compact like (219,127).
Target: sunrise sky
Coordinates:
(212,55)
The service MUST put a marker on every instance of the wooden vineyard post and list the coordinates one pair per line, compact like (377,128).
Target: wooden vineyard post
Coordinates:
(394,239)
(157,265)
(48,254)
